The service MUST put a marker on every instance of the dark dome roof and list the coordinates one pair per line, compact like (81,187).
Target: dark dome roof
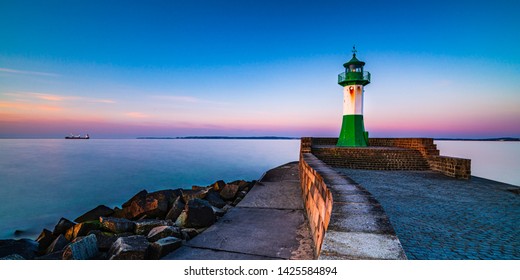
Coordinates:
(354,61)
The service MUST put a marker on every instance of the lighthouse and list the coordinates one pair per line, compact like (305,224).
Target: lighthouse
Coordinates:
(353,81)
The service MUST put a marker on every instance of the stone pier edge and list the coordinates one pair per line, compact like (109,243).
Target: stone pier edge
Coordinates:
(346,221)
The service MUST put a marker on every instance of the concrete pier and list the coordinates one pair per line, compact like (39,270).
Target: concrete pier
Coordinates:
(438,217)
(269,223)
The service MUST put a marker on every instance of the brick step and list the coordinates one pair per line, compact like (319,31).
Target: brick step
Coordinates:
(373,158)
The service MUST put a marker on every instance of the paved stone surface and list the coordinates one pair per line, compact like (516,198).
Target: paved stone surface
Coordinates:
(269,223)
(362,245)
(264,232)
(357,227)
(271,195)
(438,217)
(191,253)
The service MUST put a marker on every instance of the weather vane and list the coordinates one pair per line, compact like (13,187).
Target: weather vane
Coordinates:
(354,51)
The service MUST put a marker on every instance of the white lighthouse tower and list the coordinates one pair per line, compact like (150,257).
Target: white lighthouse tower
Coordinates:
(353,80)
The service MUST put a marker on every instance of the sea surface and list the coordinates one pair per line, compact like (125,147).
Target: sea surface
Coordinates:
(495,160)
(43,180)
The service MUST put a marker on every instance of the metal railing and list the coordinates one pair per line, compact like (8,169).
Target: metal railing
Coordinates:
(342,77)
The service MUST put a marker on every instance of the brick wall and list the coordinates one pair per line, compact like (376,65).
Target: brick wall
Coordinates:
(305,144)
(345,220)
(374,158)
(459,168)
(422,154)
(316,141)
(424,145)
(318,202)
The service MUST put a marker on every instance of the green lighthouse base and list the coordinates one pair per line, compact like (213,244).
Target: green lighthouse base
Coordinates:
(353,132)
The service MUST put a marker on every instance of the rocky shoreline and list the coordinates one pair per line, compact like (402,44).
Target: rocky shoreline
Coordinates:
(146,227)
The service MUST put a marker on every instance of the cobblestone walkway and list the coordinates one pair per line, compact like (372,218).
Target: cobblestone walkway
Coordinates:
(437,217)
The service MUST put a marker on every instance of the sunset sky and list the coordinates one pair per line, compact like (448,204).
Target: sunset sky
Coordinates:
(119,69)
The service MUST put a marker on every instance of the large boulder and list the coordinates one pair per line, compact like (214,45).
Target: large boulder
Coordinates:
(23,247)
(94,214)
(242,185)
(229,191)
(214,199)
(218,185)
(117,225)
(57,245)
(62,226)
(135,207)
(188,195)
(149,205)
(138,196)
(162,232)
(133,247)
(45,239)
(106,239)
(143,227)
(82,248)
(199,214)
(164,246)
(198,188)
(168,195)
(82,229)
(118,213)
(175,210)
(181,219)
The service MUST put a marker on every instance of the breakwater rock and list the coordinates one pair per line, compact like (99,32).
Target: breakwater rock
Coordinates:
(147,226)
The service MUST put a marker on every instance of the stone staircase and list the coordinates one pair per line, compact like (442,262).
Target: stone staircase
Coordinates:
(374,158)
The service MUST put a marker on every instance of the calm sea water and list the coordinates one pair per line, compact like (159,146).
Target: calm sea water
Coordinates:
(43,180)
(495,160)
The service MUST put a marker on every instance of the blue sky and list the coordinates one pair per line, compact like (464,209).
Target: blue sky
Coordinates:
(172,68)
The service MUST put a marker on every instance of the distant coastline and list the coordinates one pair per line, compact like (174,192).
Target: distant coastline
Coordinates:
(509,139)
(501,139)
(226,137)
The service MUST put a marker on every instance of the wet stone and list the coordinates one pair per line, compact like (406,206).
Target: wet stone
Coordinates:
(62,226)
(143,227)
(45,239)
(94,214)
(229,191)
(133,247)
(175,210)
(117,225)
(199,214)
(164,246)
(82,248)
(162,232)
(214,199)
(218,185)
(81,229)
(58,244)
(188,195)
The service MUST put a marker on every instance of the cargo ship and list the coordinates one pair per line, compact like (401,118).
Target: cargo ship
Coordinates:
(71,136)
